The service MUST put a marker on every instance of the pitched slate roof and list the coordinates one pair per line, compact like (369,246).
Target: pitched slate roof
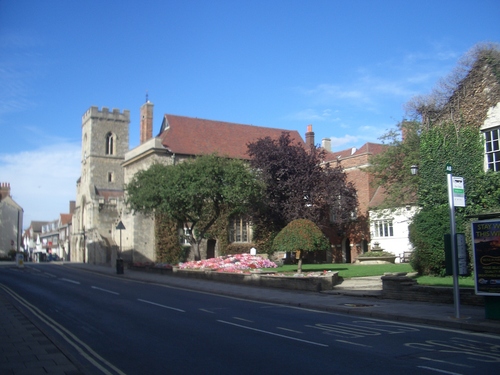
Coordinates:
(108,193)
(194,136)
(378,198)
(37,225)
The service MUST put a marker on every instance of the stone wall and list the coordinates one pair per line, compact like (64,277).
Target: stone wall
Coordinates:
(313,284)
(406,288)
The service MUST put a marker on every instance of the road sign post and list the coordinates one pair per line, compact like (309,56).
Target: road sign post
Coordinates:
(119,260)
(455,196)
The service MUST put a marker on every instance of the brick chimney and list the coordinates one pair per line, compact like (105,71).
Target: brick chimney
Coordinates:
(310,136)
(4,190)
(146,121)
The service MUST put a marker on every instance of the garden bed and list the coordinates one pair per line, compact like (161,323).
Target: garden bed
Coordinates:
(376,260)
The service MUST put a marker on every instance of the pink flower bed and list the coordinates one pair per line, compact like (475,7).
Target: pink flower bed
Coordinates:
(229,263)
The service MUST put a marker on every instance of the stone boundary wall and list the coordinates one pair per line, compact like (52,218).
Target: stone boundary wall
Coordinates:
(306,283)
(393,287)
(406,288)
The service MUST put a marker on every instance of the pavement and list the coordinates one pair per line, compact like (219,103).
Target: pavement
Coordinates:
(26,349)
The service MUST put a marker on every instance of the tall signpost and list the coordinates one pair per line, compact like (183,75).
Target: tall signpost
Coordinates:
(456,197)
(119,260)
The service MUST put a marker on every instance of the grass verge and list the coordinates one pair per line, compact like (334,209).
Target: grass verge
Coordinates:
(348,271)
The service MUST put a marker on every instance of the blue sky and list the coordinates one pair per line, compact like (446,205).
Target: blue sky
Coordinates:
(346,67)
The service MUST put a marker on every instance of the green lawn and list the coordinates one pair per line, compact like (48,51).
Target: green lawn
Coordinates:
(463,281)
(347,271)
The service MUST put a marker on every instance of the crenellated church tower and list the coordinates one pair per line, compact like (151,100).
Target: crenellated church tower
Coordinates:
(105,140)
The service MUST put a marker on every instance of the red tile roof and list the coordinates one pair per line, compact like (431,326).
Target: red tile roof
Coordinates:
(66,219)
(194,136)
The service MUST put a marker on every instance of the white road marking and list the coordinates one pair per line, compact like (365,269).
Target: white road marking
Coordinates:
(245,320)
(105,290)
(207,311)
(70,281)
(354,343)
(440,371)
(289,330)
(449,363)
(86,351)
(272,333)
(157,304)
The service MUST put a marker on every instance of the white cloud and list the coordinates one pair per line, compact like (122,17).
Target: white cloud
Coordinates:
(329,93)
(312,115)
(21,64)
(345,140)
(43,181)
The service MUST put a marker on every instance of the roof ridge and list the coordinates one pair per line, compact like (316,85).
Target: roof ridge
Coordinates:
(227,122)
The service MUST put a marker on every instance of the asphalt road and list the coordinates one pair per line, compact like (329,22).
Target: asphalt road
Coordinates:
(116,326)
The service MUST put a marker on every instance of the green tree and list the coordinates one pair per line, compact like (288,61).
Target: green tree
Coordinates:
(299,236)
(298,186)
(194,192)
(391,168)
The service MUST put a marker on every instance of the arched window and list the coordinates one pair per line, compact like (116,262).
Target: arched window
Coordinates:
(110,146)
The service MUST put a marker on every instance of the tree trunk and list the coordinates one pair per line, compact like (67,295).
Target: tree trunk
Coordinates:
(299,257)
(197,255)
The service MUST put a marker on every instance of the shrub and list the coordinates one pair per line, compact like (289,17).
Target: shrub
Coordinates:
(427,236)
(371,254)
(302,235)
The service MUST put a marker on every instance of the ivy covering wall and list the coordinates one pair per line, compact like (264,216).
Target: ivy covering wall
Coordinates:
(168,248)
(462,147)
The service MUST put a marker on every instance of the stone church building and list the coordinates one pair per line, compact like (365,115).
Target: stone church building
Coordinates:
(107,165)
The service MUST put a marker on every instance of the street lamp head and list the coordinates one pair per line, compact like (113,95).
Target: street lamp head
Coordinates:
(414,169)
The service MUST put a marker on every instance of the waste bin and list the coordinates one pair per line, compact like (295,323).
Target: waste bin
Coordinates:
(119,266)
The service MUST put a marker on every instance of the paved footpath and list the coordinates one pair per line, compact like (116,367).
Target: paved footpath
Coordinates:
(24,349)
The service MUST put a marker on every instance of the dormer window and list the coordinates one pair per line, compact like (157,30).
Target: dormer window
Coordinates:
(110,144)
